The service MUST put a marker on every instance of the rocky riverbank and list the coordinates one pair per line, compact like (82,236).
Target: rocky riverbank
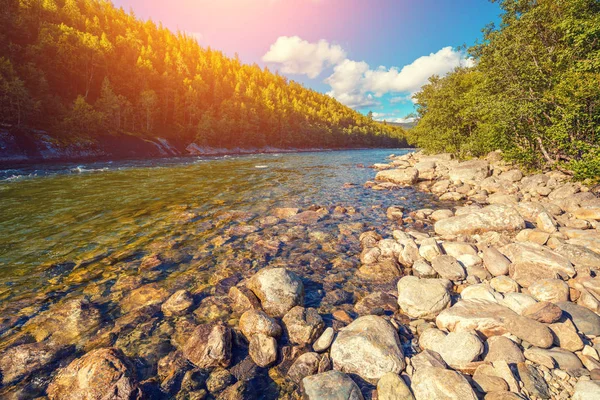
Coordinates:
(494,296)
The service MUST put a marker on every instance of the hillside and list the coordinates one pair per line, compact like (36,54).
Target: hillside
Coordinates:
(86,76)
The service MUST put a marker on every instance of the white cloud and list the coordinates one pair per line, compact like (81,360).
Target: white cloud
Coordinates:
(357,78)
(355,83)
(297,56)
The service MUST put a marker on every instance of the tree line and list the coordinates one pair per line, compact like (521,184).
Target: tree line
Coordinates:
(84,68)
(534,91)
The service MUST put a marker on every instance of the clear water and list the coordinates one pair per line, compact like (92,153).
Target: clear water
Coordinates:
(68,230)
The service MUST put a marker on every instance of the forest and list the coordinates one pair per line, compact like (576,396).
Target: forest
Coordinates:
(80,69)
(534,91)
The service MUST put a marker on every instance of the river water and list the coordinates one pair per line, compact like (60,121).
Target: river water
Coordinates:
(72,231)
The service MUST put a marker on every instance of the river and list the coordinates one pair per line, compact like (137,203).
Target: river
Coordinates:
(98,230)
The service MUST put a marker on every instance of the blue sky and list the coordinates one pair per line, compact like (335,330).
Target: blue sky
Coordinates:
(369,54)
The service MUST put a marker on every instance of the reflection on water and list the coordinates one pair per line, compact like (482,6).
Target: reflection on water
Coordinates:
(100,230)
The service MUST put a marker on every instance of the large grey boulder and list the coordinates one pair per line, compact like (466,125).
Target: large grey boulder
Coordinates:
(495,218)
(369,347)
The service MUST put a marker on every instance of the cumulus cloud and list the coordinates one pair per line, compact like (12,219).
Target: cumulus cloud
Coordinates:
(355,83)
(357,78)
(296,56)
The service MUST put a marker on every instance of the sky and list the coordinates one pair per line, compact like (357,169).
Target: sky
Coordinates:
(371,55)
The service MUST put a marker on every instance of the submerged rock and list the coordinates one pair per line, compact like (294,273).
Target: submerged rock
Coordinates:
(100,374)
(178,304)
(209,346)
(66,322)
(21,361)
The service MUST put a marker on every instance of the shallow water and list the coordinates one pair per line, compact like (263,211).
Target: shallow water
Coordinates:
(72,230)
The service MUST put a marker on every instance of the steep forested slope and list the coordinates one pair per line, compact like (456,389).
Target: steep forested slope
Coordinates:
(83,69)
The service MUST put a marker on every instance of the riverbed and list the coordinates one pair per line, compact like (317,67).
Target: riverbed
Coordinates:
(101,230)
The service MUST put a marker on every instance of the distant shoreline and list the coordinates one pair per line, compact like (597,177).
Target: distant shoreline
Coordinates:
(210,152)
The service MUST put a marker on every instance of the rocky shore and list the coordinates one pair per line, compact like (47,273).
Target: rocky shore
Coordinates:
(497,297)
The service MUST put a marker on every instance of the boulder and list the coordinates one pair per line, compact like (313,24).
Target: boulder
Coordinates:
(303,325)
(493,218)
(305,365)
(408,176)
(258,322)
(492,319)
(278,290)
(552,290)
(495,262)
(500,348)
(369,347)
(518,302)
(543,312)
(438,383)
(579,256)
(427,358)
(209,346)
(504,284)
(99,374)
(470,171)
(459,348)
(554,358)
(331,385)
(586,321)
(392,387)
(586,390)
(263,350)
(529,253)
(243,299)
(448,268)
(565,335)
(423,298)
(587,213)
(480,292)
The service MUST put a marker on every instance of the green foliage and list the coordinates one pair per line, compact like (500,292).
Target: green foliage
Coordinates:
(92,68)
(534,92)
